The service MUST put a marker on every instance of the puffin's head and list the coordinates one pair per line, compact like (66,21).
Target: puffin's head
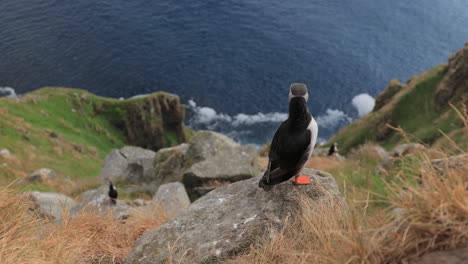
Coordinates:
(298,90)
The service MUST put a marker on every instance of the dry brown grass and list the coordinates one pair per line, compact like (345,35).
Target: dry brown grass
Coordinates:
(97,238)
(431,215)
(87,238)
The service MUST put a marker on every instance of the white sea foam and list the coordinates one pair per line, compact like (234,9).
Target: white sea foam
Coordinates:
(243,126)
(207,115)
(333,118)
(7,92)
(364,103)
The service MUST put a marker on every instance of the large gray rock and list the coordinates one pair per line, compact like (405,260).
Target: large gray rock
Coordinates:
(227,220)
(172,197)
(454,256)
(131,164)
(212,156)
(51,205)
(98,201)
(169,164)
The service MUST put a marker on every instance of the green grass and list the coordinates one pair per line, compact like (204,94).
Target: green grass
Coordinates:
(413,109)
(87,128)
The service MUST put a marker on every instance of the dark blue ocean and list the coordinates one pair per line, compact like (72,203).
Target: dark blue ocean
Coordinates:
(231,62)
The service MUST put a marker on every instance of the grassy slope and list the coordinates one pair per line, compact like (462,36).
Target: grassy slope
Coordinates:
(412,109)
(84,136)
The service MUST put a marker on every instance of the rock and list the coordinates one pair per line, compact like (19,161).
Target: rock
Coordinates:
(454,256)
(98,201)
(454,164)
(320,152)
(386,96)
(169,164)
(212,156)
(172,197)
(139,202)
(406,149)
(227,220)
(5,152)
(51,205)
(455,80)
(131,164)
(152,122)
(114,167)
(41,175)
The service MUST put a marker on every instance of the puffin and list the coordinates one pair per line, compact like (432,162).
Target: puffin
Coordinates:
(112,193)
(333,149)
(293,142)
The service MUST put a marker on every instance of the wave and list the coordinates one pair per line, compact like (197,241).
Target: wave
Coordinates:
(364,103)
(256,128)
(7,92)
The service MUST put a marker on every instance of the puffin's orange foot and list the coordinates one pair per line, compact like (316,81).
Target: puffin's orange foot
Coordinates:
(301,180)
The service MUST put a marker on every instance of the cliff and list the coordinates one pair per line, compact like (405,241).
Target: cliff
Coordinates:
(62,129)
(420,107)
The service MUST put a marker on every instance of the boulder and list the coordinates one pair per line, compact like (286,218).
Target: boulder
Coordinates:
(213,156)
(406,149)
(51,205)
(41,175)
(227,220)
(131,164)
(454,256)
(453,164)
(172,197)
(98,201)
(169,164)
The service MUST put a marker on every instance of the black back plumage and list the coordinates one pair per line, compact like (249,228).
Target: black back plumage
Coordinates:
(331,150)
(113,194)
(289,147)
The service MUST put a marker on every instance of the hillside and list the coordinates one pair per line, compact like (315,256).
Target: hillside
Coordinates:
(71,130)
(420,107)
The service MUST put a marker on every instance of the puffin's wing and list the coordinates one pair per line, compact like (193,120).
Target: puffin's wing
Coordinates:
(273,155)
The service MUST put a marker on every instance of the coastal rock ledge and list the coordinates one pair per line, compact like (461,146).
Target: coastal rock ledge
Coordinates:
(227,220)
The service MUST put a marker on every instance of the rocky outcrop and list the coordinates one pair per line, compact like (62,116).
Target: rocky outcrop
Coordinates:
(397,154)
(97,201)
(444,166)
(152,122)
(172,197)
(169,164)
(227,220)
(130,164)
(454,256)
(51,205)
(455,81)
(212,156)
(386,96)
(207,158)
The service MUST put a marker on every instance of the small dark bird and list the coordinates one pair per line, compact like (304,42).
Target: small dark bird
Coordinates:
(293,142)
(112,193)
(333,149)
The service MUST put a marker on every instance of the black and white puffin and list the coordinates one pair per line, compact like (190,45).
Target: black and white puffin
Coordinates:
(293,142)
(333,149)
(112,193)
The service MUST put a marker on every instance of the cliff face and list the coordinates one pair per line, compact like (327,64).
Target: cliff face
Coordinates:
(152,122)
(63,128)
(420,107)
(455,82)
